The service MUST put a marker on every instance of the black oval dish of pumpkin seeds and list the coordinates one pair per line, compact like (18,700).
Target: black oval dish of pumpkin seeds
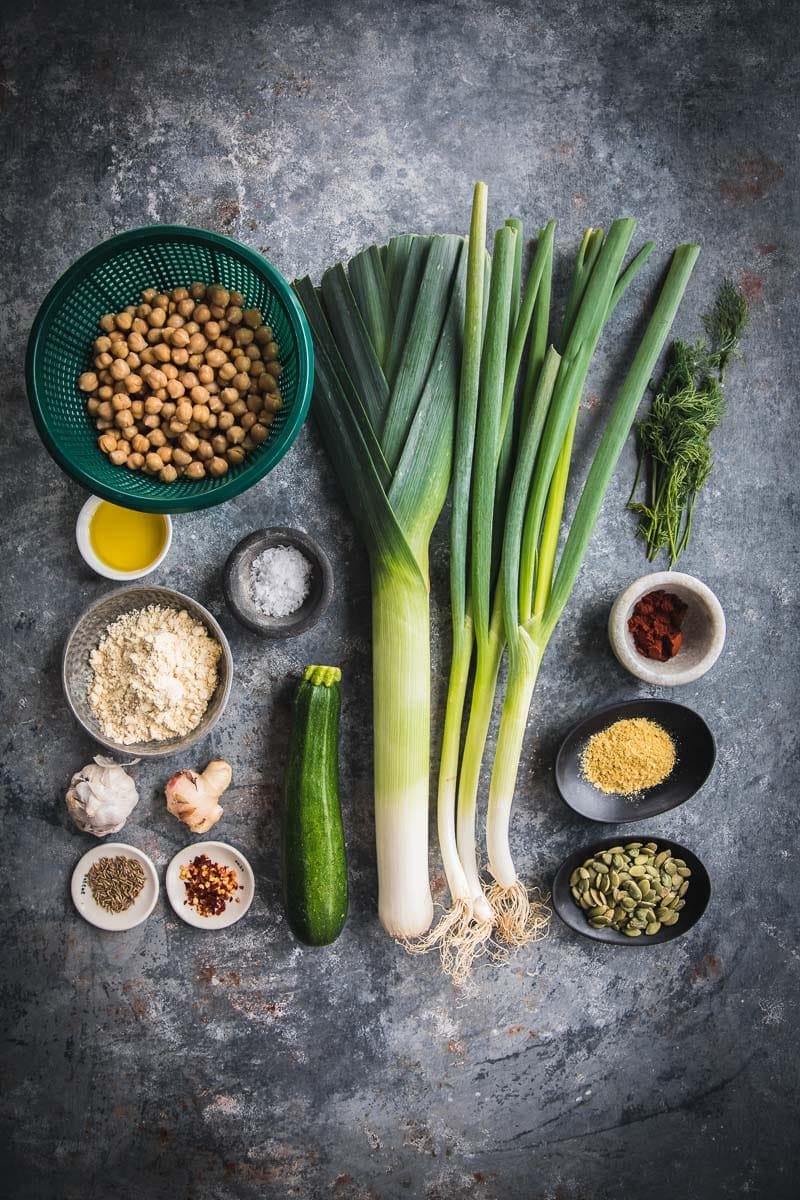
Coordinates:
(697,895)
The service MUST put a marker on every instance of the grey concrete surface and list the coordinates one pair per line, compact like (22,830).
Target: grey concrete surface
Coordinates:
(173,1065)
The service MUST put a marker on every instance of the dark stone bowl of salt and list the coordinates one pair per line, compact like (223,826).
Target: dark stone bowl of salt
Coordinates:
(239,584)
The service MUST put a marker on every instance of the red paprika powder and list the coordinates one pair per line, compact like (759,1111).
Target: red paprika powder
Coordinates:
(655,625)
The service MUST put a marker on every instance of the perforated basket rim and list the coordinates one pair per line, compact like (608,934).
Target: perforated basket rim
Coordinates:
(274,450)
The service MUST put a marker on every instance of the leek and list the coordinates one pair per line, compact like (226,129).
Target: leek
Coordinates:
(387,336)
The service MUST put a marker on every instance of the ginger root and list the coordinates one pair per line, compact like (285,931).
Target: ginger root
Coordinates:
(193,798)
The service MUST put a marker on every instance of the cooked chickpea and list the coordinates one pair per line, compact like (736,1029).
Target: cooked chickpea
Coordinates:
(124,322)
(151,421)
(134,361)
(183,412)
(162,352)
(195,361)
(157,438)
(107,442)
(217,294)
(92,405)
(167,474)
(88,381)
(103,361)
(212,330)
(215,405)
(205,374)
(105,392)
(225,420)
(241,381)
(197,290)
(175,389)
(132,384)
(235,455)
(134,462)
(201,413)
(215,357)
(153,463)
(229,395)
(175,427)
(252,317)
(234,314)
(235,435)
(180,457)
(227,372)
(107,322)
(197,343)
(189,442)
(204,450)
(242,364)
(102,425)
(165,453)
(124,419)
(180,339)
(239,408)
(180,357)
(137,408)
(105,410)
(247,420)
(196,470)
(259,432)
(119,401)
(168,410)
(243,336)
(225,343)
(272,402)
(267,382)
(119,456)
(217,466)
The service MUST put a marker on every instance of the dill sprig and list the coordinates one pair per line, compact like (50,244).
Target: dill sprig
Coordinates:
(674,446)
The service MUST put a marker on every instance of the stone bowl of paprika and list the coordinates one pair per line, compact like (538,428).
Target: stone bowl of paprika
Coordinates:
(667,628)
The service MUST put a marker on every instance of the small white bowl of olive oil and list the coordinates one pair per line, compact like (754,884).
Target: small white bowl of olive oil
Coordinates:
(122,543)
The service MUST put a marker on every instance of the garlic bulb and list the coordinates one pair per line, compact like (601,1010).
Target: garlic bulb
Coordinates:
(101,797)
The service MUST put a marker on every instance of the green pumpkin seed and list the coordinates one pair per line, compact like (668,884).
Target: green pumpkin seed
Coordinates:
(672,919)
(683,889)
(632,931)
(661,858)
(651,846)
(634,890)
(633,846)
(652,928)
(600,922)
(684,872)
(661,913)
(583,872)
(678,905)
(628,903)
(637,872)
(614,877)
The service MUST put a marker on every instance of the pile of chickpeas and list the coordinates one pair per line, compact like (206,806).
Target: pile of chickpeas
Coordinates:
(184,384)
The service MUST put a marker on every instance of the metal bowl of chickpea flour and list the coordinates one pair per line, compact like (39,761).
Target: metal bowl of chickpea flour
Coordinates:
(110,278)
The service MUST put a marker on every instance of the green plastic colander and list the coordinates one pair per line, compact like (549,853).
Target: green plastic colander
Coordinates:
(108,278)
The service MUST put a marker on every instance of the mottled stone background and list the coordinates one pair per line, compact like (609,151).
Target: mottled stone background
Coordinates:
(172,1065)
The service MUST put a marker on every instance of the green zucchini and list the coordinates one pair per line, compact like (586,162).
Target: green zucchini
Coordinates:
(314,862)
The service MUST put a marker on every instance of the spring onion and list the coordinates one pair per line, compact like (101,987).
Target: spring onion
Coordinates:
(512,460)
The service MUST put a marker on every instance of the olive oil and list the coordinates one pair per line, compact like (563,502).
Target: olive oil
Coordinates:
(124,539)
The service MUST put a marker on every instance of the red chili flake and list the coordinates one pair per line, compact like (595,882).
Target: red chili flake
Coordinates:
(209,885)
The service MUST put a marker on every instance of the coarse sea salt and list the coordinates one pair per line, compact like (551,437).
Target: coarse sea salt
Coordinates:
(280,580)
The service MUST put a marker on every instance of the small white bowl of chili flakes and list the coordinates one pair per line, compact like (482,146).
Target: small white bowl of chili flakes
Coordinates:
(210,885)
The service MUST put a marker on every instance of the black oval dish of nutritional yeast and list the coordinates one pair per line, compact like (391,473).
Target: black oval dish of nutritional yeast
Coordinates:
(695,752)
(696,899)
